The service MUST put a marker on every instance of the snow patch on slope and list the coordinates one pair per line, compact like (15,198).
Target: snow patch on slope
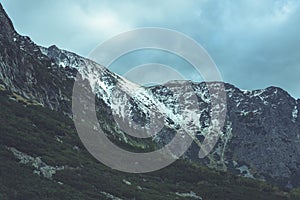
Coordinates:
(294,114)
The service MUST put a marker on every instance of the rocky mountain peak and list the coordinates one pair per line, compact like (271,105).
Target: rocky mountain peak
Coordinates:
(7,29)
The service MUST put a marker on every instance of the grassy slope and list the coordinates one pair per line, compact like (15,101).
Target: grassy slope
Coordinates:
(33,130)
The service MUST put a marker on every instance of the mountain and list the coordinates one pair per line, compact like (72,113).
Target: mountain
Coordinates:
(260,138)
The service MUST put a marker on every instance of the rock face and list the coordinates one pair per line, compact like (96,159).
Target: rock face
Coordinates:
(26,71)
(40,167)
(261,134)
(264,134)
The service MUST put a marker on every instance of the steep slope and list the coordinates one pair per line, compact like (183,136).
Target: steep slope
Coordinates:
(265,134)
(260,137)
(42,157)
(26,71)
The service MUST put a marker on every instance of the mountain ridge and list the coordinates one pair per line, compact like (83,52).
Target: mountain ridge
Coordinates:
(263,122)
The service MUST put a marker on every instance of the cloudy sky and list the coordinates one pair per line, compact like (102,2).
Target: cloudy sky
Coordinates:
(255,44)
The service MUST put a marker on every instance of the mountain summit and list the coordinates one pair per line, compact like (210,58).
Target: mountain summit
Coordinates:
(7,28)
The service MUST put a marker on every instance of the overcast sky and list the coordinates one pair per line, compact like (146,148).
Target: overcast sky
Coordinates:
(255,44)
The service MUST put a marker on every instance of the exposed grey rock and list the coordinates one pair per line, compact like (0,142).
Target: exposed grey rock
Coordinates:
(191,194)
(41,168)
(110,196)
(261,136)
(126,182)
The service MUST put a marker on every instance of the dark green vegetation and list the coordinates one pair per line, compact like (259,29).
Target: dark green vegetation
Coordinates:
(40,132)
